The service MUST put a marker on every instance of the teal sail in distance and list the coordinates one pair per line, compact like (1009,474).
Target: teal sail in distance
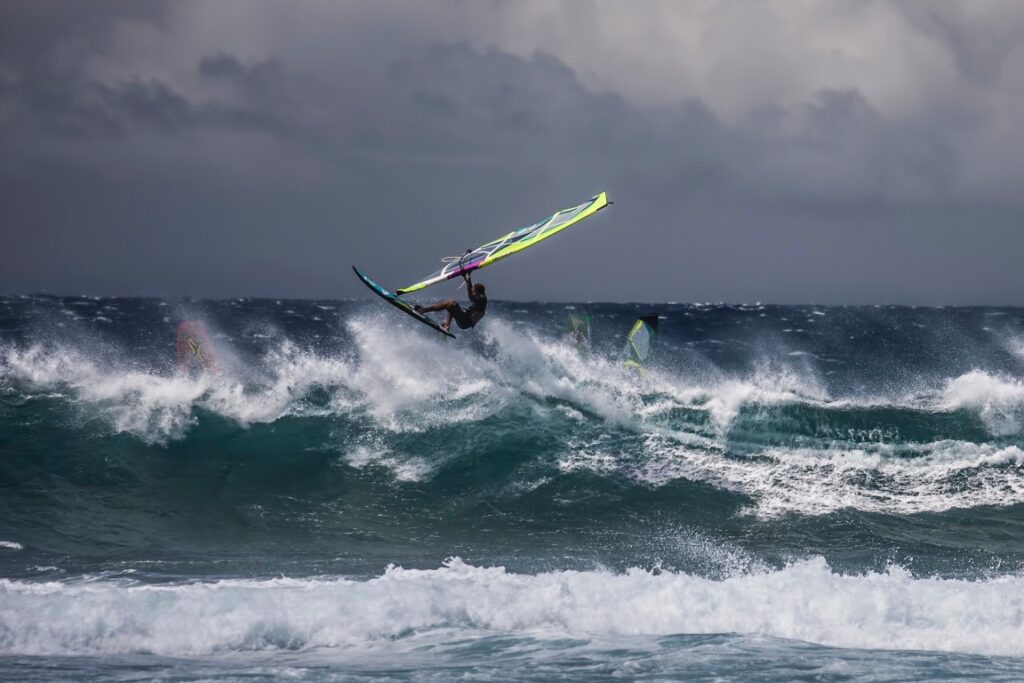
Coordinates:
(640,342)
(579,330)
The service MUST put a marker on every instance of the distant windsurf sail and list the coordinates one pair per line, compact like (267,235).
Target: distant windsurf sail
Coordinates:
(640,341)
(512,243)
(579,330)
(195,350)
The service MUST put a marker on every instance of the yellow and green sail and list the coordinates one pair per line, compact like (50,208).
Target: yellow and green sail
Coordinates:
(512,243)
(640,342)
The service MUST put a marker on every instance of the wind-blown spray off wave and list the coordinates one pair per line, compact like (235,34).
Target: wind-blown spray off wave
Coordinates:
(765,422)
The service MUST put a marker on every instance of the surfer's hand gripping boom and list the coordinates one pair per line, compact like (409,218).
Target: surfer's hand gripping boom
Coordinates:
(464,274)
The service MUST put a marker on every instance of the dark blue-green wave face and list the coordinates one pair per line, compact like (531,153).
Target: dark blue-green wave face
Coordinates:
(818,483)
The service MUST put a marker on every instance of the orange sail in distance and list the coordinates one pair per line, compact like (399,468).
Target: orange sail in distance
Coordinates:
(195,350)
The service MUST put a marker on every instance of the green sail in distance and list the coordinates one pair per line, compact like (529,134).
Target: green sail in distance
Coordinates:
(640,341)
(579,329)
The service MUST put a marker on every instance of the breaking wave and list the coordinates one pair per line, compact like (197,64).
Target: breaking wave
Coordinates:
(805,601)
(774,432)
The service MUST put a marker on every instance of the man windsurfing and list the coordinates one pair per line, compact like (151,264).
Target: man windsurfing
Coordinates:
(465,318)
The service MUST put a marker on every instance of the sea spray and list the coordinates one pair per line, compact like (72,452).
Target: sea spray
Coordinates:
(780,479)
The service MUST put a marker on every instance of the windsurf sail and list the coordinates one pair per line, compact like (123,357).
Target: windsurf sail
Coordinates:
(392,298)
(195,350)
(579,330)
(512,243)
(640,341)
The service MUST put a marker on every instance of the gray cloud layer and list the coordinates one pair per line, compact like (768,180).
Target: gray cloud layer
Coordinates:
(851,152)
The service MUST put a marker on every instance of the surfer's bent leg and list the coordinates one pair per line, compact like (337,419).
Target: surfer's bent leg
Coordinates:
(454,312)
(445,305)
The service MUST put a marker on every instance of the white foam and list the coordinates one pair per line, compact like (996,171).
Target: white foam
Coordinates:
(157,407)
(404,469)
(11,545)
(1015,345)
(998,400)
(405,381)
(875,478)
(546,368)
(412,381)
(416,381)
(149,406)
(812,481)
(549,369)
(805,601)
(409,381)
(724,398)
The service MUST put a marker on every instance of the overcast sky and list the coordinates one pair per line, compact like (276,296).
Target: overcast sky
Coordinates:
(800,151)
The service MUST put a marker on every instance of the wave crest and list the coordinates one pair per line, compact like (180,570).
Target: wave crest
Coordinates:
(805,601)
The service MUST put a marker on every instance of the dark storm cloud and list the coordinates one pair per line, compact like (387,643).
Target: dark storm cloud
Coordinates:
(219,171)
(31,32)
(74,108)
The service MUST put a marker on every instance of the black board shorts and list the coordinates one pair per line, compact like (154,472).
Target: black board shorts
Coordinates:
(463,318)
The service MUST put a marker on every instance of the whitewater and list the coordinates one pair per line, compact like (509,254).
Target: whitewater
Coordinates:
(786,492)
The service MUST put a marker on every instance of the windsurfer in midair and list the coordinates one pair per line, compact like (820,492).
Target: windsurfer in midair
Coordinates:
(464,317)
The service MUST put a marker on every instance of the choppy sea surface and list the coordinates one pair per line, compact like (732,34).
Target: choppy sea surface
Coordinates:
(788,493)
